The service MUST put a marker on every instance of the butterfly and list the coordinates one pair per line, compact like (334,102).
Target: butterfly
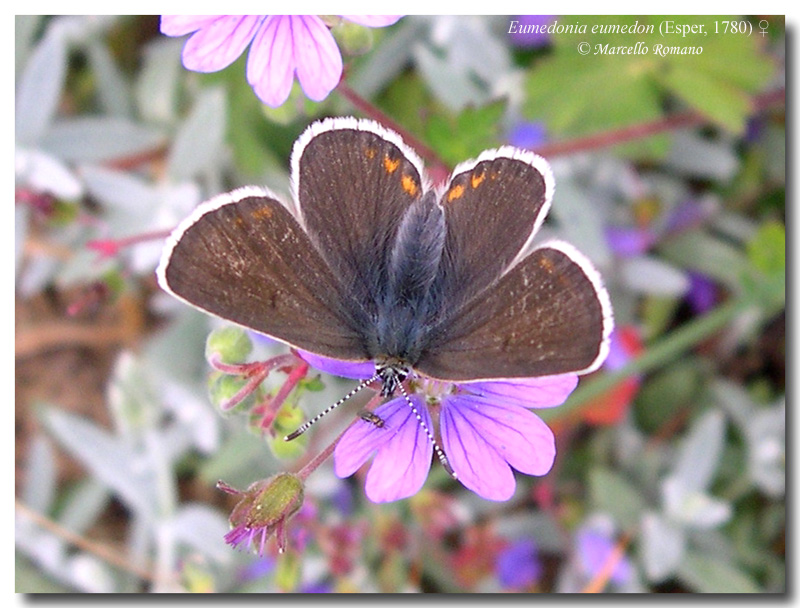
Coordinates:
(371,263)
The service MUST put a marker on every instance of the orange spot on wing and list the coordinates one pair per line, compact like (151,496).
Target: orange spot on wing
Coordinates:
(455,192)
(370,152)
(547,265)
(262,213)
(409,185)
(390,164)
(477,179)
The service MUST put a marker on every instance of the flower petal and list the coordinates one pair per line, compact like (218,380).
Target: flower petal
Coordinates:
(178,25)
(373,20)
(271,63)
(401,466)
(220,42)
(478,465)
(546,391)
(318,60)
(346,369)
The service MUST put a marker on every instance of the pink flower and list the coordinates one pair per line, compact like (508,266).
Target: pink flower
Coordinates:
(487,430)
(281,46)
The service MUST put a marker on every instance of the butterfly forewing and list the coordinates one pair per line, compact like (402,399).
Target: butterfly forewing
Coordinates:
(548,315)
(354,181)
(243,257)
(493,206)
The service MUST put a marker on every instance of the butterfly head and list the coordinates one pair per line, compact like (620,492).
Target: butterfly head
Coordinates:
(392,372)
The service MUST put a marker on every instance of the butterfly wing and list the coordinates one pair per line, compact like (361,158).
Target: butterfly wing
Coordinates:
(548,315)
(353,182)
(493,206)
(243,257)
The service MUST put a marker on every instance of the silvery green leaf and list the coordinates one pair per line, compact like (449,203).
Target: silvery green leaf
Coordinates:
(775,147)
(203,529)
(767,449)
(40,476)
(611,493)
(131,397)
(581,222)
(25,28)
(700,251)
(454,88)
(200,139)
(663,546)
(696,156)
(85,503)
(45,173)
(113,91)
(156,89)
(700,451)
(709,574)
(540,526)
(693,508)
(89,574)
(39,88)
(189,405)
(653,276)
(108,458)
(99,138)
(388,59)
(471,47)
(130,200)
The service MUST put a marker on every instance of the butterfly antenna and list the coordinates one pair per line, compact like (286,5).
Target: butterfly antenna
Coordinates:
(436,448)
(306,425)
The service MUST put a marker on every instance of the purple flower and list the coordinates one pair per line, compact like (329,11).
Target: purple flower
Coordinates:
(629,242)
(527,135)
(702,294)
(518,565)
(530,31)
(486,428)
(281,46)
(595,547)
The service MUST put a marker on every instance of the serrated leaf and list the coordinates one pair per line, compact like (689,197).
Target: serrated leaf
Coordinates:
(719,101)
(707,574)
(468,134)
(612,494)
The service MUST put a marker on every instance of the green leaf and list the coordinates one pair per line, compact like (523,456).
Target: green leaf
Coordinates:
(662,396)
(614,495)
(707,574)
(767,250)
(702,252)
(721,102)
(465,136)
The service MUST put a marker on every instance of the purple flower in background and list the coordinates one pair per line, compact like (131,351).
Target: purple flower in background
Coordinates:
(629,242)
(487,430)
(529,31)
(518,565)
(527,135)
(595,549)
(280,47)
(702,294)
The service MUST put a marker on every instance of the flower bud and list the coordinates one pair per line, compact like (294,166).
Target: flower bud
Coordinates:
(228,344)
(263,510)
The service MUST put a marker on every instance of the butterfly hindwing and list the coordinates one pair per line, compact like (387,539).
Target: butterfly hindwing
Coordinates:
(548,315)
